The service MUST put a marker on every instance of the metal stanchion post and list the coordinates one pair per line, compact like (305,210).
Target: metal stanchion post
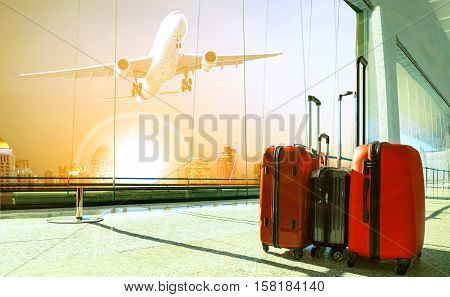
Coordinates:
(432,169)
(79,218)
(437,181)
(79,204)
(443,179)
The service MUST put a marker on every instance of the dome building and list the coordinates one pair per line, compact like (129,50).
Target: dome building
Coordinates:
(4,145)
(102,162)
(7,161)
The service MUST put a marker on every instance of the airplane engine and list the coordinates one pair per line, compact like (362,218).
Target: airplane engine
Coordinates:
(209,60)
(122,67)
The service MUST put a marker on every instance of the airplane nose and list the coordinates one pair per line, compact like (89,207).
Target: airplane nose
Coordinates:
(182,19)
(180,22)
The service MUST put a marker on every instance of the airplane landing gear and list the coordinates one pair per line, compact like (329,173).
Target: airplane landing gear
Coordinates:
(186,84)
(137,89)
(178,38)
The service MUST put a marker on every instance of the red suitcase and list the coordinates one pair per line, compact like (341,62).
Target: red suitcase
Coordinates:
(285,196)
(387,204)
(387,198)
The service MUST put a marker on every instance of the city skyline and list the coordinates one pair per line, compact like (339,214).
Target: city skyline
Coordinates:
(102,165)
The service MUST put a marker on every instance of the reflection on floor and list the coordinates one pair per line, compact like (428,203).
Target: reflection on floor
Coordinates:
(201,239)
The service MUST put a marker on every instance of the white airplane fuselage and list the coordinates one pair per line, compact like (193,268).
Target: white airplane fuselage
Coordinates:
(164,52)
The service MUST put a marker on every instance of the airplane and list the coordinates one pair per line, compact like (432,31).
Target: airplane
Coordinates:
(164,62)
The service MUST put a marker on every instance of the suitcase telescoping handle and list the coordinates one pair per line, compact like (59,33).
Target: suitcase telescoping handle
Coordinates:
(327,139)
(311,100)
(339,157)
(360,130)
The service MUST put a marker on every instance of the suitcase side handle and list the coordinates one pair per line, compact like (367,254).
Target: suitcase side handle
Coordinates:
(365,210)
(367,164)
(327,139)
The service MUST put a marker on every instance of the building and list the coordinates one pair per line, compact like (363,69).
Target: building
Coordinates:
(257,172)
(198,169)
(63,172)
(48,174)
(408,90)
(7,162)
(102,163)
(226,163)
(23,170)
(76,170)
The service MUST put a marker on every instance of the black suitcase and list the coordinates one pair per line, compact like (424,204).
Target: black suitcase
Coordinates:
(329,208)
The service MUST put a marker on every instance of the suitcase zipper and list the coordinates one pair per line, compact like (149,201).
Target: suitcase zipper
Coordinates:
(275,197)
(375,201)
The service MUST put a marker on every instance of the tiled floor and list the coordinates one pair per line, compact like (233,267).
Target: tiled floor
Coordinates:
(204,239)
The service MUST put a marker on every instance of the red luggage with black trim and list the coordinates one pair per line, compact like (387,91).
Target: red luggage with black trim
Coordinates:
(285,196)
(387,202)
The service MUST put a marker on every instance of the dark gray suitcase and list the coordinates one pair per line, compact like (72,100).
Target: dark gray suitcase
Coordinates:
(329,208)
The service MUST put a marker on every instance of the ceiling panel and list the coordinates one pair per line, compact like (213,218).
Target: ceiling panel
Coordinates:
(442,14)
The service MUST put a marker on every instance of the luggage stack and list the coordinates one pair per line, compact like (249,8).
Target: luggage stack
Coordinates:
(375,210)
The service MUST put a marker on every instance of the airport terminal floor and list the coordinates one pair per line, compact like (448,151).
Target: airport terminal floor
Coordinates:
(199,239)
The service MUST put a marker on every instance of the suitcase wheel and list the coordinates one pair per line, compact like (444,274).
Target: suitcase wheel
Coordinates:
(337,255)
(313,252)
(297,254)
(265,247)
(403,265)
(317,252)
(352,260)
(419,256)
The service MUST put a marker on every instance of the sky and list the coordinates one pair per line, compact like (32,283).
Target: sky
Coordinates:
(51,121)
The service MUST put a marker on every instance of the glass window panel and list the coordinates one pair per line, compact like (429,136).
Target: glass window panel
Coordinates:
(422,113)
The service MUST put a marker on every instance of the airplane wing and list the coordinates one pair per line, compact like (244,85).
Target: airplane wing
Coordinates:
(188,63)
(123,98)
(138,69)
